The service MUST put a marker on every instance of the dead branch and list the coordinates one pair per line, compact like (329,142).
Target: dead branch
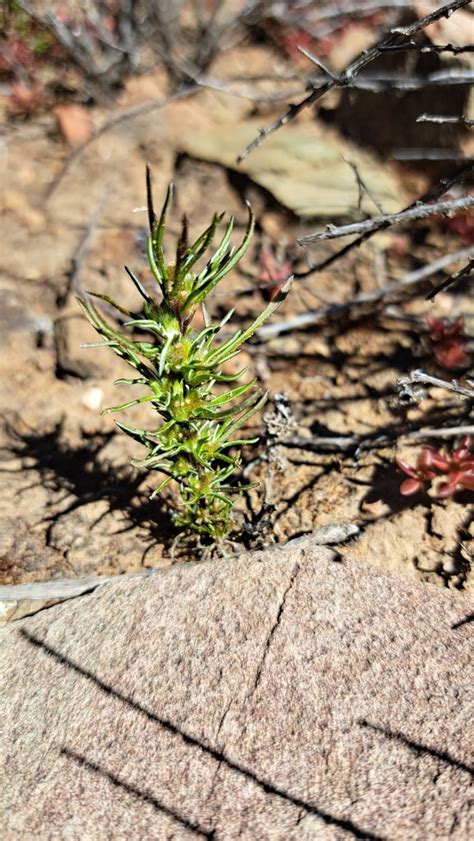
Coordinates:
(418,376)
(362,443)
(466,271)
(422,211)
(391,293)
(103,58)
(454,49)
(390,82)
(324,20)
(449,432)
(348,75)
(441,118)
(432,194)
(125,116)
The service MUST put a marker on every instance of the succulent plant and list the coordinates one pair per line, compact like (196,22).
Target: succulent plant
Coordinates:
(455,469)
(181,370)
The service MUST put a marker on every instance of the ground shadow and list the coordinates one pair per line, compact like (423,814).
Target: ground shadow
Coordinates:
(81,474)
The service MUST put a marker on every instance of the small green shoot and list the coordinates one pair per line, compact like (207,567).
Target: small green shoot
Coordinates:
(181,371)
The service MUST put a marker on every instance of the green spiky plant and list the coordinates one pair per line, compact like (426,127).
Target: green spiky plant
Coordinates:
(180,367)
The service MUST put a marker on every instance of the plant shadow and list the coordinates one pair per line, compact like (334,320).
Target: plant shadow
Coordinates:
(81,474)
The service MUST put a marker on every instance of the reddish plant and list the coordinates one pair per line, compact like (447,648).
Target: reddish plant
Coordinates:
(457,467)
(463,225)
(272,274)
(448,342)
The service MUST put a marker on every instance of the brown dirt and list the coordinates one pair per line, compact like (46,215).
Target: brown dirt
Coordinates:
(71,506)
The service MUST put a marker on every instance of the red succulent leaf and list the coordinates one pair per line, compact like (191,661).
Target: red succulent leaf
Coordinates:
(407,468)
(451,355)
(457,467)
(410,487)
(437,328)
(446,489)
(430,459)
(448,342)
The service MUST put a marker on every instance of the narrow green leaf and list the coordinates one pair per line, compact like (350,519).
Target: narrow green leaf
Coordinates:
(220,355)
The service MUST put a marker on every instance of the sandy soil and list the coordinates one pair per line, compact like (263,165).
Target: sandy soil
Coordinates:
(71,505)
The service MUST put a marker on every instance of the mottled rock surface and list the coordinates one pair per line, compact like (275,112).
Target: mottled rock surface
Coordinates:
(279,695)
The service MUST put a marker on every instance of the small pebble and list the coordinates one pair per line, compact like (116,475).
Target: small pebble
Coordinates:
(92,399)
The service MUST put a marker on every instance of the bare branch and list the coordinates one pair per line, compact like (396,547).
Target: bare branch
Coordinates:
(454,49)
(130,114)
(433,193)
(441,118)
(419,212)
(361,443)
(389,294)
(347,76)
(388,81)
(466,271)
(449,432)
(419,376)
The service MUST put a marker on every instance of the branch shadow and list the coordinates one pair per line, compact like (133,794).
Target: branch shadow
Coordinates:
(465,621)
(142,795)
(416,746)
(220,757)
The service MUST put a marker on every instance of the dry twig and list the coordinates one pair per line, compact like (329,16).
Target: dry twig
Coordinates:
(346,78)
(125,116)
(433,193)
(420,377)
(441,119)
(391,293)
(420,211)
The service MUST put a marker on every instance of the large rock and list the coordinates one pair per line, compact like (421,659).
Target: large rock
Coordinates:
(279,695)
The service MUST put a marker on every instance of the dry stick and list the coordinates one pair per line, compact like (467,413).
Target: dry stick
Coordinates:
(341,9)
(449,432)
(455,49)
(419,212)
(131,114)
(345,78)
(391,293)
(74,285)
(419,376)
(433,193)
(440,118)
(219,86)
(338,443)
(466,271)
(389,82)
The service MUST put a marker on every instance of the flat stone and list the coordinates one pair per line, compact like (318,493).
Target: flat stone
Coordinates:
(277,695)
(304,167)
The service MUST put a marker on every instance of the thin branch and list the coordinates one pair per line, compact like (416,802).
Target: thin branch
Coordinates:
(466,271)
(130,114)
(73,283)
(419,376)
(433,193)
(449,432)
(361,443)
(388,82)
(362,187)
(454,49)
(419,212)
(389,294)
(347,76)
(441,118)
(219,85)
